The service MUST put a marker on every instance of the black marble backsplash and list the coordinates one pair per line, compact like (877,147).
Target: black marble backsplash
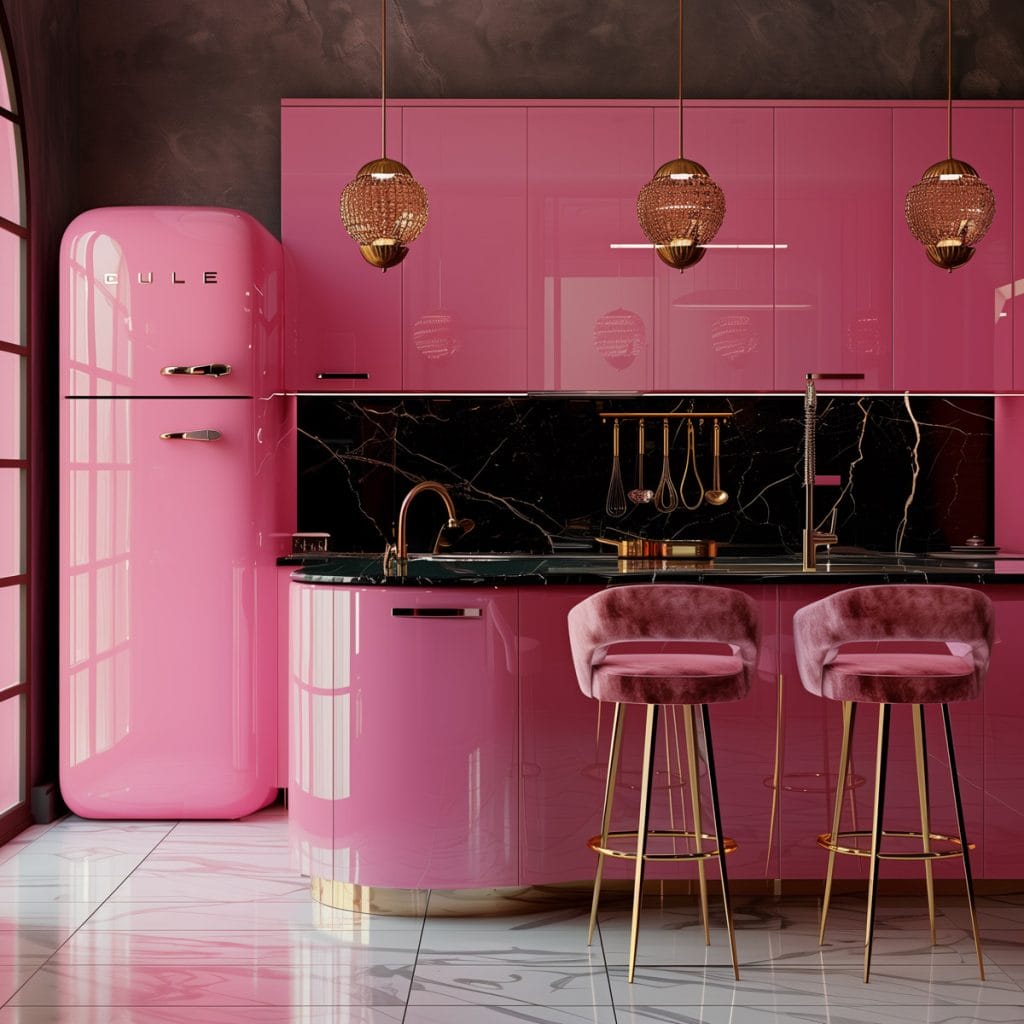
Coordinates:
(916,474)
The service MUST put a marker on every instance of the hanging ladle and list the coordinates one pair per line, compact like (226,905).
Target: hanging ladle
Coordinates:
(640,495)
(665,499)
(691,464)
(615,503)
(715,495)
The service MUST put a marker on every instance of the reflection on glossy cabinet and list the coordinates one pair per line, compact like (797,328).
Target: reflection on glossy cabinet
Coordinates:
(403,726)
(833,210)
(951,331)
(713,323)
(1015,306)
(590,306)
(344,316)
(464,290)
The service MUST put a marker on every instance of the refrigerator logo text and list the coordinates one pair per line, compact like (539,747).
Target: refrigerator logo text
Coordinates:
(148,277)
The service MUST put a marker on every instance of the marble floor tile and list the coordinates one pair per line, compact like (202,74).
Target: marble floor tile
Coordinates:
(188,880)
(31,946)
(12,977)
(209,1015)
(517,1014)
(866,1014)
(202,985)
(486,984)
(17,915)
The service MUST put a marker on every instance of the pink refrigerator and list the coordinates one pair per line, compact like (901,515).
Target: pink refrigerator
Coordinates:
(175,454)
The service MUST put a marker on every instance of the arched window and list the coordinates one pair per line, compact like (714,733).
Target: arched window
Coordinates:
(15,522)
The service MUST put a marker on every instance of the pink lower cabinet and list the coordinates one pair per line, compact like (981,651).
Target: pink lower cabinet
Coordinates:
(565,738)
(464,281)
(1015,307)
(590,306)
(403,735)
(811,745)
(950,328)
(833,281)
(344,328)
(713,322)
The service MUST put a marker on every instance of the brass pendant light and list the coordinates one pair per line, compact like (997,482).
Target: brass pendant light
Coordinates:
(681,208)
(384,207)
(950,208)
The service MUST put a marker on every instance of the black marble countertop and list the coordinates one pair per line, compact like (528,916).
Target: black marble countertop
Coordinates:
(531,569)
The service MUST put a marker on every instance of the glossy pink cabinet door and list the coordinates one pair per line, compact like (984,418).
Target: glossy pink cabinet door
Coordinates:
(591,306)
(404,735)
(464,281)
(949,328)
(833,211)
(168,702)
(140,315)
(713,322)
(1015,307)
(565,737)
(344,316)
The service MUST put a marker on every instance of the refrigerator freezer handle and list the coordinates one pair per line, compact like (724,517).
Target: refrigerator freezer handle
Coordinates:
(192,435)
(206,370)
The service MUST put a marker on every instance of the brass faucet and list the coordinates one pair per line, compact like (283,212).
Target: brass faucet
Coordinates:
(812,538)
(396,556)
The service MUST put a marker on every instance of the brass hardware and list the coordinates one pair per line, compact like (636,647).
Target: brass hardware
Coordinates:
(606,813)
(665,498)
(615,502)
(812,537)
(396,556)
(192,435)
(716,496)
(640,495)
(691,462)
(698,835)
(205,370)
(437,613)
(921,757)
(638,547)
(849,720)
(666,415)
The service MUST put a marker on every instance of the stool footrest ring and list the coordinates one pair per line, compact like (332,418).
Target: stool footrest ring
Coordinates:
(826,842)
(729,845)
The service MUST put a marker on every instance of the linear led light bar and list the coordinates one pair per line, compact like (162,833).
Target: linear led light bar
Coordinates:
(712,245)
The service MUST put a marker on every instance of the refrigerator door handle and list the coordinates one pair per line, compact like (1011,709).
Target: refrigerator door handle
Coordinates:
(192,435)
(205,370)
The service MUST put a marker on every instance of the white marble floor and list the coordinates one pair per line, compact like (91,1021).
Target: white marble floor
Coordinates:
(167,923)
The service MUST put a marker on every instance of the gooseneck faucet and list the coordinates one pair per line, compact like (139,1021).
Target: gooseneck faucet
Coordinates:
(396,556)
(812,538)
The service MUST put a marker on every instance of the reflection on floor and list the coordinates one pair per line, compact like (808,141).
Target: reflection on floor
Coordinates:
(132,922)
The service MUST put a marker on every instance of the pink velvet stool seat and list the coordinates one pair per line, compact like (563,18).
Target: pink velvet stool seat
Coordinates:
(657,615)
(888,617)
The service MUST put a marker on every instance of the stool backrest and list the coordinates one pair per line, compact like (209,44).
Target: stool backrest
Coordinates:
(960,618)
(662,612)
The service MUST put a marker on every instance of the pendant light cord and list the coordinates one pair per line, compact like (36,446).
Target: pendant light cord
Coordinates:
(949,78)
(680,78)
(383,79)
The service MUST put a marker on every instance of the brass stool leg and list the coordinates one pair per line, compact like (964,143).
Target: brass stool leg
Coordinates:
(965,853)
(921,754)
(876,828)
(698,828)
(606,814)
(849,718)
(719,837)
(650,735)
(776,777)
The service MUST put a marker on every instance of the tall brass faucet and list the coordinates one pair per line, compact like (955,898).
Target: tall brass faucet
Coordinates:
(812,538)
(396,556)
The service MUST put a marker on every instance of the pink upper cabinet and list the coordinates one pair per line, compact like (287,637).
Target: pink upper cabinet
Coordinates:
(464,291)
(170,301)
(344,316)
(1016,307)
(833,211)
(949,328)
(591,306)
(713,322)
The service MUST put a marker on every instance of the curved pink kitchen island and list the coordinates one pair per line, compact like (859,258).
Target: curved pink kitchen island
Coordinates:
(438,740)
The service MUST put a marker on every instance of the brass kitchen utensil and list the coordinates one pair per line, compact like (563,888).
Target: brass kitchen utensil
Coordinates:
(640,495)
(716,496)
(665,499)
(691,466)
(640,547)
(615,503)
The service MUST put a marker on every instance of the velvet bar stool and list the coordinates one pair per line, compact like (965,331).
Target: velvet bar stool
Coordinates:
(656,614)
(963,620)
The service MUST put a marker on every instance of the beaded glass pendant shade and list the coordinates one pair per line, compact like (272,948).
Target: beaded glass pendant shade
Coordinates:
(950,208)
(384,207)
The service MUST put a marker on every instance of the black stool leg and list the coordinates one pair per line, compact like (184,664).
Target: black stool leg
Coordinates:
(964,851)
(719,837)
(650,736)
(606,814)
(881,761)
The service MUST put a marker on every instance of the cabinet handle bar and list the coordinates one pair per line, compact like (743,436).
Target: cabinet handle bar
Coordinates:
(438,613)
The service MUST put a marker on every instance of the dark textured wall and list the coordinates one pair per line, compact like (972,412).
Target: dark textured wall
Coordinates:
(179,101)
